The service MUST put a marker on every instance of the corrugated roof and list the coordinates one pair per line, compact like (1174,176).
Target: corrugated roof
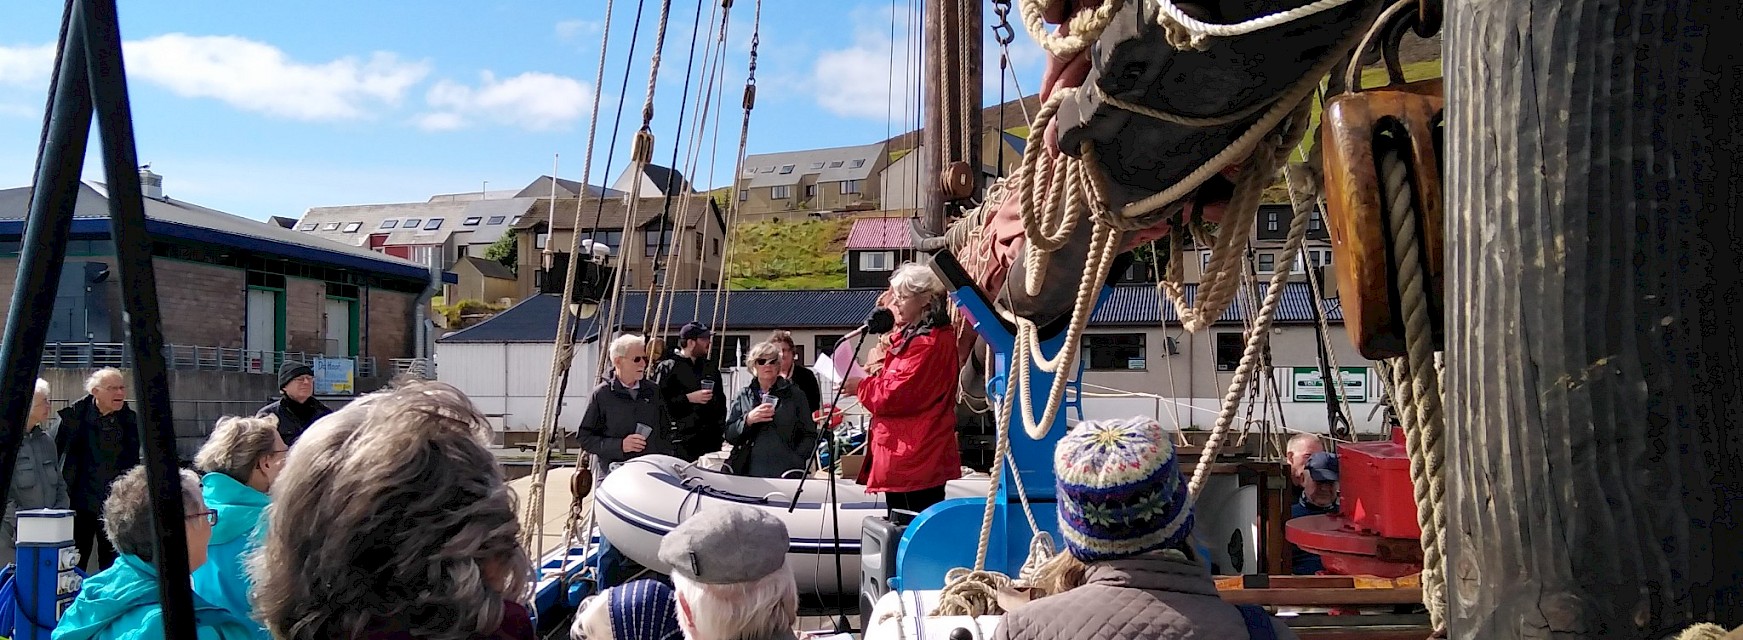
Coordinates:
(93,204)
(829,165)
(879,233)
(535,319)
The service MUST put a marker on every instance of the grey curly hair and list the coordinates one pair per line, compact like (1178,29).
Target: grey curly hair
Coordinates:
(391,509)
(237,445)
(127,511)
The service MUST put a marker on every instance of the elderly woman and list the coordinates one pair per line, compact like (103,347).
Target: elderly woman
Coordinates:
(639,610)
(1128,572)
(770,424)
(240,459)
(390,520)
(36,477)
(911,395)
(120,603)
(729,569)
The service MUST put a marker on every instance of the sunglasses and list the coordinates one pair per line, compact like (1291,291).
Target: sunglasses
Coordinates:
(639,359)
(763,362)
(210,516)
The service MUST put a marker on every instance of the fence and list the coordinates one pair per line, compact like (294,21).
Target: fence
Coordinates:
(96,355)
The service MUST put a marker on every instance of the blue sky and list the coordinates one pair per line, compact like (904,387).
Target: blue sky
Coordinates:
(277,107)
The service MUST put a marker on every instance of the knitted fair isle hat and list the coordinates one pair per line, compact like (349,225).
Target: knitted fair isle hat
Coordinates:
(1120,490)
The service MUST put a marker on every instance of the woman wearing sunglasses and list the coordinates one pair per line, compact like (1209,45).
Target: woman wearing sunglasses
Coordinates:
(769,424)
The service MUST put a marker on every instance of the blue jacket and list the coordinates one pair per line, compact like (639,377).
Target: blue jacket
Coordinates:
(223,580)
(120,603)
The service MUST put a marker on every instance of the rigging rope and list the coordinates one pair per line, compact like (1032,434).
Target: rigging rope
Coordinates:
(722,295)
(1186,32)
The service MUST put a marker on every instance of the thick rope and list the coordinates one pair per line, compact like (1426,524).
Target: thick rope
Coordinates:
(1258,337)
(1418,387)
(1085,26)
(532,526)
(1199,32)
(1708,631)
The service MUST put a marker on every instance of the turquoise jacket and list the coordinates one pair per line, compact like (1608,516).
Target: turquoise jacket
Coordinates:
(120,603)
(223,580)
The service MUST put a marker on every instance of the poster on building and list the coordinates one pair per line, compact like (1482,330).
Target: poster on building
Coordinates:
(1310,386)
(335,376)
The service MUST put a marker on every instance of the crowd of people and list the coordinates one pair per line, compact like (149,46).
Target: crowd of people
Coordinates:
(390,518)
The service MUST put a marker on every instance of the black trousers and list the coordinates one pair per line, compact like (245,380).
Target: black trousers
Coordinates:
(911,501)
(88,533)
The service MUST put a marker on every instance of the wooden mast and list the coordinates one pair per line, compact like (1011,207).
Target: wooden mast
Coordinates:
(1594,358)
(950,72)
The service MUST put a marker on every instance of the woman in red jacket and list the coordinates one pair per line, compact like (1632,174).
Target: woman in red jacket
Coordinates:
(911,394)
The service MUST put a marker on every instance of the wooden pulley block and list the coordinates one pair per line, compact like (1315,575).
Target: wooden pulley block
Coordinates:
(957,181)
(581,484)
(1357,131)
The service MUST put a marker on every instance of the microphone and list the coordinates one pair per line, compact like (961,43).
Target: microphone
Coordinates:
(879,321)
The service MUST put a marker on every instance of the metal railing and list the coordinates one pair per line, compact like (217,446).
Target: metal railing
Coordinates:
(420,368)
(180,357)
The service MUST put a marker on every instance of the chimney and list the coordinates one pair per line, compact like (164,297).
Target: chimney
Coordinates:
(150,184)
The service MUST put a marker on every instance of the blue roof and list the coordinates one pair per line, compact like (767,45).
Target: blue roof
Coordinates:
(535,319)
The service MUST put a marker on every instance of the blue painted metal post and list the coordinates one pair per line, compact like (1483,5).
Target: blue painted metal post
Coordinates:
(46,582)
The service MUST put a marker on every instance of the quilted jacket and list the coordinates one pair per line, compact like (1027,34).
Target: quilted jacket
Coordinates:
(1160,595)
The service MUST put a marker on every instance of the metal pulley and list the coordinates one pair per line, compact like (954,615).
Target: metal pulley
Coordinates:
(1362,135)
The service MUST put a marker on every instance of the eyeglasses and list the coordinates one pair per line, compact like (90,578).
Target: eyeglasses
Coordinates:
(639,359)
(210,515)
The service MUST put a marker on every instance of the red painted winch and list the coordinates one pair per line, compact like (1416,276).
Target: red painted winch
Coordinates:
(1374,531)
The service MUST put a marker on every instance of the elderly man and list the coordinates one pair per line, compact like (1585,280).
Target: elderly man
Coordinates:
(121,602)
(624,419)
(729,569)
(98,441)
(1295,455)
(297,407)
(36,477)
(690,383)
(1319,496)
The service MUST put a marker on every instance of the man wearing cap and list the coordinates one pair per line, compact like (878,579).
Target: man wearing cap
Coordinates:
(297,408)
(688,382)
(729,569)
(1319,496)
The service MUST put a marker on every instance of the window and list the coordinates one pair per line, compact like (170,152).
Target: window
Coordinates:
(495,220)
(433,224)
(472,221)
(852,186)
(425,254)
(1267,262)
(1313,223)
(1203,261)
(1115,352)
(699,247)
(786,169)
(781,193)
(1229,347)
(769,169)
(331,226)
(516,220)
(835,165)
(717,246)
(540,240)
(654,238)
(411,223)
(857,164)
(743,195)
(352,227)
(309,227)
(1271,223)
(389,224)
(810,191)
(816,165)
(613,239)
(877,260)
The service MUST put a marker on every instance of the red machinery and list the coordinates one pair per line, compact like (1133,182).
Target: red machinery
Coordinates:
(1375,531)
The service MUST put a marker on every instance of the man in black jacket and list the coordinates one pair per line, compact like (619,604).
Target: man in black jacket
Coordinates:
(690,384)
(98,441)
(297,408)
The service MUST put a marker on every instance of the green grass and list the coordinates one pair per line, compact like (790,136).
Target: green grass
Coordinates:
(1371,78)
(797,254)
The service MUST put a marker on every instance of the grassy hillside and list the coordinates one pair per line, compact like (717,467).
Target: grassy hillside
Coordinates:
(791,254)
(1373,77)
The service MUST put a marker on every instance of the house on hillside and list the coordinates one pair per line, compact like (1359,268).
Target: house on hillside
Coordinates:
(794,184)
(1135,356)
(1270,231)
(654,249)
(875,247)
(483,280)
(653,181)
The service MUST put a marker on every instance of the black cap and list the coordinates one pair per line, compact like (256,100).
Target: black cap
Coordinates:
(694,331)
(1322,467)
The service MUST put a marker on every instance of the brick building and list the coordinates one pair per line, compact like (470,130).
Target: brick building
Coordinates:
(232,291)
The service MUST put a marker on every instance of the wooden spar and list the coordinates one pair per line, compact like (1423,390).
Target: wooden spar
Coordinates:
(950,131)
(934,112)
(1594,359)
(973,35)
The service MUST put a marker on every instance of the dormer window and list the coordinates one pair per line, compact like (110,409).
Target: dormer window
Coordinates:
(389,224)
(496,220)
(352,227)
(433,224)
(331,226)
(786,169)
(411,223)
(472,221)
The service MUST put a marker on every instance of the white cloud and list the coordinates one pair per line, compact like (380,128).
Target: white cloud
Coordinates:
(534,101)
(572,29)
(856,81)
(259,77)
(26,66)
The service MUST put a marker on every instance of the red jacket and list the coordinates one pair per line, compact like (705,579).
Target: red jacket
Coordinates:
(912,401)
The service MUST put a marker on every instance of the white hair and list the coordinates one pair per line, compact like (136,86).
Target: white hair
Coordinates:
(98,376)
(761,350)
(42,388)
(914,279)
(593,619)
(620,346)
(769,606)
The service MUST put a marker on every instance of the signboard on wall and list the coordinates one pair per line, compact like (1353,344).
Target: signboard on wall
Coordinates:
(1310,386)
(335,376)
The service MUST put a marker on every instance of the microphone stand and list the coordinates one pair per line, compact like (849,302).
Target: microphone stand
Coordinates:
(841,623)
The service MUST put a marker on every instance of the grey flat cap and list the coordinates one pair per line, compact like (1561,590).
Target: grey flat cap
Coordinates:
(726,544)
